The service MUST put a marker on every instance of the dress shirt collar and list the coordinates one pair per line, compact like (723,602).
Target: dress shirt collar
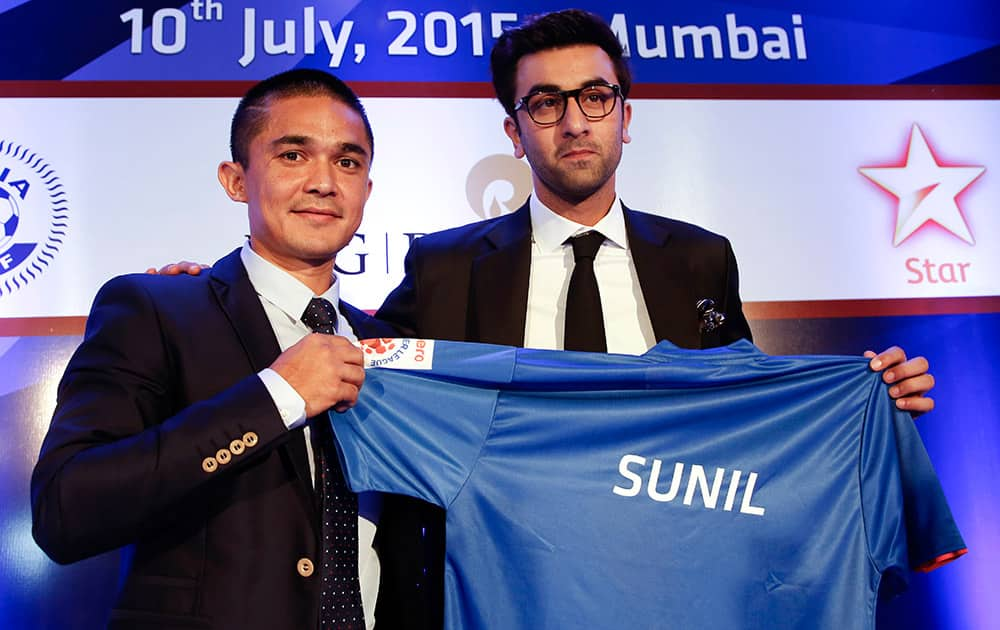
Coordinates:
(280,288)
(549,230)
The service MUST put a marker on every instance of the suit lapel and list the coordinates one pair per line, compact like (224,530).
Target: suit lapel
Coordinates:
(365,326)
(662,278)
(499,285)
(246,315)
(242,307)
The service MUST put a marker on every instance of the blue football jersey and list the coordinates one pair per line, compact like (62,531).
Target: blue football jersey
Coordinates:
(678,489)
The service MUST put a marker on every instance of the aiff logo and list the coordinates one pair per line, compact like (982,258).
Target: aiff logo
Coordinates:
(33,215)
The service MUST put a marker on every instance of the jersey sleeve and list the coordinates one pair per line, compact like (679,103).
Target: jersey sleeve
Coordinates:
(420,432)
(909,522)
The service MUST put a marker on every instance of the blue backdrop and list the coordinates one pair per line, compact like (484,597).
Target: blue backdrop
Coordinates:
(47,45)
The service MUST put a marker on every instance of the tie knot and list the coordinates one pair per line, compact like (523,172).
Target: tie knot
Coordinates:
(586,245)
(321,316)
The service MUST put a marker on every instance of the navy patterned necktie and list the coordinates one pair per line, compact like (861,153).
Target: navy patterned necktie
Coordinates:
(321,316)
(584,329)
(340,600)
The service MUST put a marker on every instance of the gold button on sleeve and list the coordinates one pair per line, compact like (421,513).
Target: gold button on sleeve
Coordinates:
(223,456)
(236,447)
(305,567)
(250,439)
(209,464)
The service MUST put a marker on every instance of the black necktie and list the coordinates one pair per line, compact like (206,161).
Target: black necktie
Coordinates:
(584,317)
(340,601)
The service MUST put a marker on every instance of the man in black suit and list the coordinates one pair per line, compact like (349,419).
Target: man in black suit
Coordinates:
(564,83)
(181,426)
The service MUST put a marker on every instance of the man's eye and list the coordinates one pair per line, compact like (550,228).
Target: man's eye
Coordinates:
(348,163)
(545,101)
(292,156)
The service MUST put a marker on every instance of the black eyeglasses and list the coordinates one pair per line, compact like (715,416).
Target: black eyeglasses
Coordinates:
(596,101)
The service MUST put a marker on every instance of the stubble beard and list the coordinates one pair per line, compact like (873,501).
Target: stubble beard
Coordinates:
(575,181)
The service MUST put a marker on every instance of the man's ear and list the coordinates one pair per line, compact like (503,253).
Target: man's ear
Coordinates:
(510,128)
(626,119)
(233,180)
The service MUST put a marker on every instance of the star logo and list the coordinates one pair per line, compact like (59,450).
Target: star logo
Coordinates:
(925,189)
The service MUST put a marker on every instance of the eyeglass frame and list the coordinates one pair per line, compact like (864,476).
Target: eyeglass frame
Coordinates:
(522,103)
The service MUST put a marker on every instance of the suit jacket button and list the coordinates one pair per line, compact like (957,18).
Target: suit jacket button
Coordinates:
(250,439)
(209,464)
(223,456)
(236,447)
(305,567)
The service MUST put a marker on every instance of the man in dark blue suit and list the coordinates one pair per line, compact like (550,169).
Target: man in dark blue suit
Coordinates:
(181,429)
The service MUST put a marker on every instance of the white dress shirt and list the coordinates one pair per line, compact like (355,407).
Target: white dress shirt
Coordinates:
(627,326)
(285,299)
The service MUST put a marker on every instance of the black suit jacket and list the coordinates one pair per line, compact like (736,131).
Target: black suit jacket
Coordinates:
(471,284)
(165,378)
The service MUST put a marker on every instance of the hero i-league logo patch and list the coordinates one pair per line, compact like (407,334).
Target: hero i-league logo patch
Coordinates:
(400,354)
(34,212)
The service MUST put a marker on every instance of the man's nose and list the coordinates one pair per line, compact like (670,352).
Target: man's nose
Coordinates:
(322,178)
(574,122)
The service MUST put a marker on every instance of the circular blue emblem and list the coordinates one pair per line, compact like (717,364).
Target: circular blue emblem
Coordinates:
(34,212)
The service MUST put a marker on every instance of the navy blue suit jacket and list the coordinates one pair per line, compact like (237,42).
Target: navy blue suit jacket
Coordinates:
(471,283)
(165,378)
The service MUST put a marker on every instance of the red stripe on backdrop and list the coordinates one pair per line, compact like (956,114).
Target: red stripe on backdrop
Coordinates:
(221,89)
(210,89)
(871,308)
(41,326)
(52,326)
(817,92)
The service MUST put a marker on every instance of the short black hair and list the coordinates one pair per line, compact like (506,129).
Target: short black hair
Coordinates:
(559,29)
(251,113)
